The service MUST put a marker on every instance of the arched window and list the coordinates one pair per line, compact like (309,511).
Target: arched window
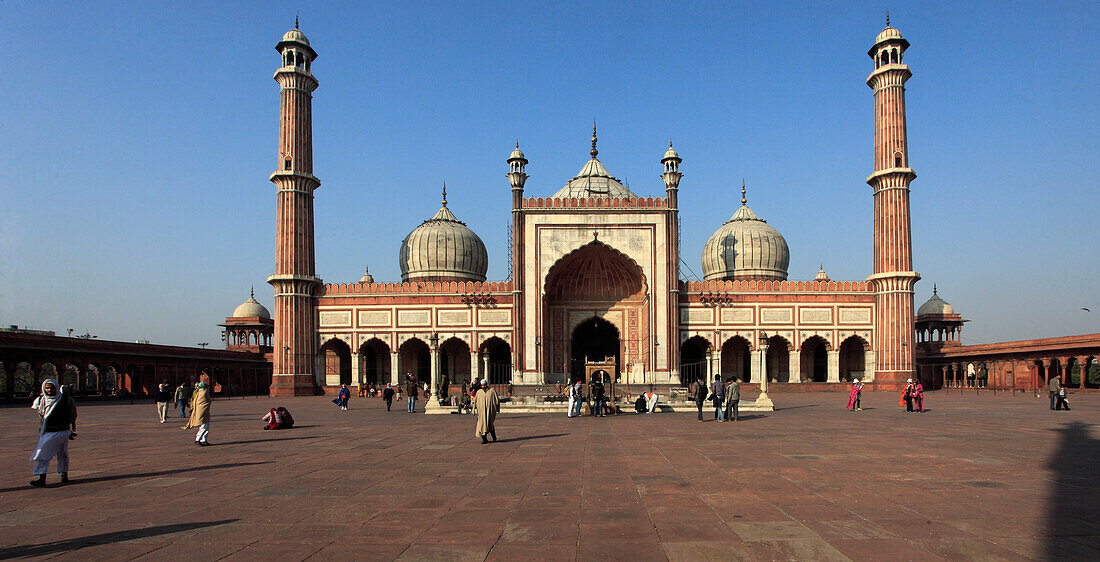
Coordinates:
(897,160)
(894,55)
(885,58)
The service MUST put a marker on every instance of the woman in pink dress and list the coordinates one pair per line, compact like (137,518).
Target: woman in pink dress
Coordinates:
(854,396)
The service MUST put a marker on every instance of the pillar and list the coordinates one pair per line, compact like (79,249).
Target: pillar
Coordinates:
(432,402)
(833,366)
(355,359)
(475,363)
(395,368)
(755,366)
(1082,363)
(795,368)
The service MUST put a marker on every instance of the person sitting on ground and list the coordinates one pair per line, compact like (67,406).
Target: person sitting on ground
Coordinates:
(278,418)
(650,400)
(639,404)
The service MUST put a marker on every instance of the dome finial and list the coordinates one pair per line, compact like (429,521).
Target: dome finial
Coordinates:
(295,20)
(252,292)
(887,18)
(934,292)
(593,152)
(517,143)
(743,200)
(444,193)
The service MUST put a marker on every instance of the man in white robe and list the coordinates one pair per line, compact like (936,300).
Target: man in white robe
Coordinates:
(58,411)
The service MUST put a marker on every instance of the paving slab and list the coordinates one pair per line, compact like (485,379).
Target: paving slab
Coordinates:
(978,477)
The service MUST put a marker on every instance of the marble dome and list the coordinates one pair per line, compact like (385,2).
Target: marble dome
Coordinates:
(443,249)
(935,305)
(251,308)
(746,247)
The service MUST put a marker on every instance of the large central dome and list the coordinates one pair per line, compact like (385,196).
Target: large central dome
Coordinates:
(443,249)
(746,247)
(594,180)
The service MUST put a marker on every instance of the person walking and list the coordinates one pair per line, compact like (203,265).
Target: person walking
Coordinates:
(699,388)
(387,395)
(1054,385)
(200,411)
(718,395)
(918,396)
(181,397)
(162,397)
(58,412)
(574,400)
(598,398)
(342,397)
(855,395)
(733,398)
(487,406)
(411,392)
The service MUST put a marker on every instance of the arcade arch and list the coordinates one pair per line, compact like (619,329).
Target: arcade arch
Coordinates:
(693,359)
(853,359)
(415,358)
(336,361)
(779,359)
(736,359)
(374,362)
(594,340)
(814,359)
(495,361)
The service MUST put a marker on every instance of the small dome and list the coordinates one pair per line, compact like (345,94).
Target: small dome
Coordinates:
(888,33)
(670,153)
(517,154)
(251,308)
(594,180)
(935,305)
(746,247)
(443,248)
(367,277)
(821,275)
(295,36)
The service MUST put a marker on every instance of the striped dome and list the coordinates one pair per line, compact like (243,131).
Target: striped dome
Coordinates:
(443,249)
(746,247)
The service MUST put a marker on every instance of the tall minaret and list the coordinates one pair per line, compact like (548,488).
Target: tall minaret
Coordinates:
(893,277)
(295,282)
(517,176)
(671,161)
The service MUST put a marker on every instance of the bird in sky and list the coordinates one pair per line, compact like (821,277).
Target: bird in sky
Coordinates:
(1085,309)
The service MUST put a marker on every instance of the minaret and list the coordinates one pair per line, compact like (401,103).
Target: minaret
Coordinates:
(893,277)
(517,176)
(294,280)
(671,161)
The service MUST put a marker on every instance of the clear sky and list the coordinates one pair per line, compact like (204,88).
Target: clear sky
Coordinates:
(136,141)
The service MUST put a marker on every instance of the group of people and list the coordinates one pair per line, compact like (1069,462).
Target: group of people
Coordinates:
(912,396)
(724,395)
(181,398)
(1057,394)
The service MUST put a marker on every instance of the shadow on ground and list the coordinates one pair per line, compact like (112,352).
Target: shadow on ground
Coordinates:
(77,481)
(1075,492)
(68,545)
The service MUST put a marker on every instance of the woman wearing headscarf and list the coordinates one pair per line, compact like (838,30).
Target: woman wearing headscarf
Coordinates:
(200,411)
(58,411)
(855,395)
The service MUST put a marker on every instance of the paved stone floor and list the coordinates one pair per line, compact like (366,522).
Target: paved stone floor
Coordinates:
(976,477)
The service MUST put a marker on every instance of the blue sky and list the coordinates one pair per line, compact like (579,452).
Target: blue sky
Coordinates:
(137,140)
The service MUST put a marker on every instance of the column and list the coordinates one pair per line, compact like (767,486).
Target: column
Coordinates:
(395,366)
(432,402)
(355,369)
(832,370)
(1045,382)
(754,366)
(793,363)
(475,361)
(1082,363)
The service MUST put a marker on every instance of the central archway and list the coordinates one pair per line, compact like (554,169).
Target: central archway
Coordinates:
(596,300)
(594,340)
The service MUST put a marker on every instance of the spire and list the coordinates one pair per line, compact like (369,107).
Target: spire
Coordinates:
(296,20)
(252,292)
(444,193)
(743,200)
(934,292)
(593,152)
(887,18)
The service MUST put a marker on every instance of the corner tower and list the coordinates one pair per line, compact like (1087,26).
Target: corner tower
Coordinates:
(295,281)
(893,277)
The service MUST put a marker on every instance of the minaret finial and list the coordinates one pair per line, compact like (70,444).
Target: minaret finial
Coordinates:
(887,18)
(252,292)
(743,200)
(295,20)
(934,291)
(517,143)
(444,193)
(593,152)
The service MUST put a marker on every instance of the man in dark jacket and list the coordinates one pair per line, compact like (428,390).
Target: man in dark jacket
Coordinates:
(411,392)
(598,397)
(387,395)
(733,396)
(162,397)
(58,421)
(700,395)
(718,394)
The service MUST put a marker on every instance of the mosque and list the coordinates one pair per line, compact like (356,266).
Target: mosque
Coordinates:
(595,284)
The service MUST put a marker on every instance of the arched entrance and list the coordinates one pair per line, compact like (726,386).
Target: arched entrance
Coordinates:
(374,362)
(736,359)
(853,359)
(595,280)
(336,361)
(779,359)
(594,341)
(496,361)
(454,363)
(814,360)
(693,360)
(415,359)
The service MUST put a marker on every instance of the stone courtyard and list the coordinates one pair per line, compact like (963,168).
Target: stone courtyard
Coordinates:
(976,477)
